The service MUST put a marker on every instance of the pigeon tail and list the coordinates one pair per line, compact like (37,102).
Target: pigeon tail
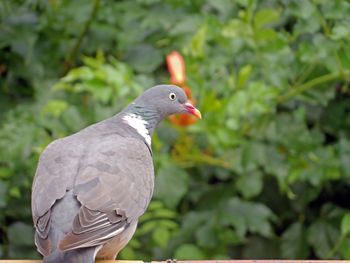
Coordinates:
(61,217)
(80,255)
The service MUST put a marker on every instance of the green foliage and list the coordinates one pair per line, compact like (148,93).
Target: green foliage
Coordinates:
(345,225)
(189,252)
(294,243)
(264,174)
(171,188)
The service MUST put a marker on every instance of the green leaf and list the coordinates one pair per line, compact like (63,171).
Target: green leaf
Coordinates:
(345,225)
(172,225)
(346,249)
(144,58)
(258,247)
(15,192)
(189,252)
(79,73)
(146,227)
(5,172)
(229,236)
(235,28)
(21,234)
(3,191)
(344,150)
(294,244)
(322,236)
(161,236)
(250,185)
(155,205)
(55,107)
(127,253)
(207,236)
(243,75)
(171,184)
(165,213)
(187,25)
(247,216)
(266,34)
(194,219)
(340,32)
(198,42)
(266,16)
(20,252)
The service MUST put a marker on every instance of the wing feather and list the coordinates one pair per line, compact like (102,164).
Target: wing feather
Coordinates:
(111,176)
(114,191)
(92,228)
(53,177)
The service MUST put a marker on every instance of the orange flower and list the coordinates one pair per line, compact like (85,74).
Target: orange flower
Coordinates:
(188,92)
(176,67)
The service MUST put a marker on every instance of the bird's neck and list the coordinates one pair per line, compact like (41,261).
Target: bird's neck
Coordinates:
(142,119)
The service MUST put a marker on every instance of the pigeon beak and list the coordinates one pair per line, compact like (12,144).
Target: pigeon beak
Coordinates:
(192,110)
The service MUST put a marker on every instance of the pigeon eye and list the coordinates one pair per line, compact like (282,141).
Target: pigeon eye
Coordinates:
(172,96)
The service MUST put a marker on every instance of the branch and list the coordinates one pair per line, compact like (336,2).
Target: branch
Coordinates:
(312,83)
(336,247)
(70,60)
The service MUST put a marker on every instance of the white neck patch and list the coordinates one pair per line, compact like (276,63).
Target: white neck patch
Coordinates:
(139,125)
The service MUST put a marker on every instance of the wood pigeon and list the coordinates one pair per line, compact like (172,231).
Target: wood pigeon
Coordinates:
(91,187)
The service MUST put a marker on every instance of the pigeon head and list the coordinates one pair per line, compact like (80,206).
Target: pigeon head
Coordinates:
(154,105)
(166,100)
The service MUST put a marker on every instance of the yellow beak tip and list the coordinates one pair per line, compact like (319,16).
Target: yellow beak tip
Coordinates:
(198,114)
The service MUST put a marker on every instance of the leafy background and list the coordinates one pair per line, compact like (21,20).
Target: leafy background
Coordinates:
(265,173)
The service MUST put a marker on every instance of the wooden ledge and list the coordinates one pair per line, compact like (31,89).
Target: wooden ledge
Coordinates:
(196,261)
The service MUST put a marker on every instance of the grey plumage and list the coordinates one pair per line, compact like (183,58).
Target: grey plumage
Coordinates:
(90,188)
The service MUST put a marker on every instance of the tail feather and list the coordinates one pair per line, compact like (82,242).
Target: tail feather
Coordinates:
(62,216)
(80,255)
(43,245)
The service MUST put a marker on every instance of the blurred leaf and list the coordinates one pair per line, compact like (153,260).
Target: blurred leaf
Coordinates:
(146,227)
(346,249)
(322,236)
(20,252)
(250,184)
(243,75)
(189,252)
(261,248)
(144,58)
(20,234)
(266,16)
(234,28)
(198,42)
(161,236)
(247,216)
(266,34)
(206,235)
(127,253)
(194,219)
(294,243)
(5,173)
(345,225)
(15,192)
(340,31)
(3,191)
(54,107)
(344,146)
(171,184)
(79,73)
